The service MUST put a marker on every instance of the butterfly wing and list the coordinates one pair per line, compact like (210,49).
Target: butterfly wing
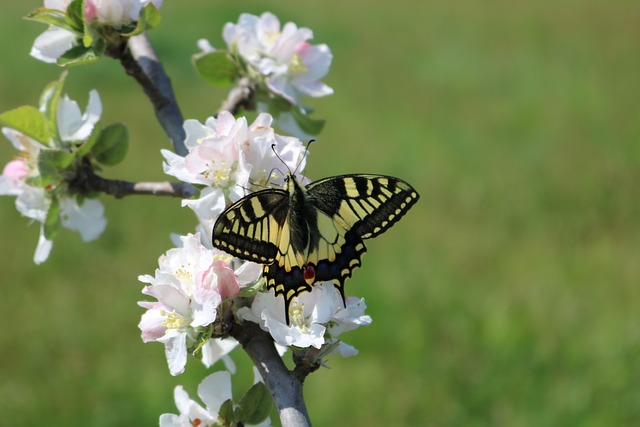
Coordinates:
(251,228)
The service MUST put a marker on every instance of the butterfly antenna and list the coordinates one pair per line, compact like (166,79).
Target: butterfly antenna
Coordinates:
(273,148)
(304,156)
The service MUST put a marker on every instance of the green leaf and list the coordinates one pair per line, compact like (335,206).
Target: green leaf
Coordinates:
(49,102)
(79,55)
(112,144)
(255,405)
(307,124)
(91,141)
(52,221)
(51,17)
(148,19)
(226,413)
(216,68)
(75,15)
(51,163)
(28,120)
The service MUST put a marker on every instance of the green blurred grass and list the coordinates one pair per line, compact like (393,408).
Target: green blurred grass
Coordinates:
(508,296)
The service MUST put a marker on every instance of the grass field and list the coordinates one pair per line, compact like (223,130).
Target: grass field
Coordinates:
(509,296)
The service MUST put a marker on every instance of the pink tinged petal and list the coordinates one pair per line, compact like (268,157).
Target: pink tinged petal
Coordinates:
(87,219)
(151,323)
(170,296)
(43,249)
(90,11)
(51,44)
(214,390)
(16,169)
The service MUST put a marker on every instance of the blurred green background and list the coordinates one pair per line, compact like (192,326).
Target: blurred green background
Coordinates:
(509,296)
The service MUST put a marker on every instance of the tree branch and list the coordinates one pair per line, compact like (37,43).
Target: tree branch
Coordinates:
(239,97)
(140,61)
(86,181)
(284,387)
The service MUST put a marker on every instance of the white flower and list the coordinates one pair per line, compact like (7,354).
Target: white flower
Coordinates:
(214,391)
(292,67)
(116,13)
(51,44)
(315,318)
(72,124)
(229,157)
(189,285)
(87,219)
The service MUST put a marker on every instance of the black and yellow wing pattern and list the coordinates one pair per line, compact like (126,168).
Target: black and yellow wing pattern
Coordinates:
(310,234)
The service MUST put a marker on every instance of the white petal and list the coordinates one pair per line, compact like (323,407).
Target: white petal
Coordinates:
(215,389)
(175,350)
(51,44)
(88,219)
(43,249)
(72,124)
(33,203)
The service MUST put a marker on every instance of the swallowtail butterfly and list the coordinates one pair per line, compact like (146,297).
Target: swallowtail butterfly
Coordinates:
(306,234)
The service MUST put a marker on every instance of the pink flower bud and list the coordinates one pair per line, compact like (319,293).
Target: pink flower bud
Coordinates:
(16,169)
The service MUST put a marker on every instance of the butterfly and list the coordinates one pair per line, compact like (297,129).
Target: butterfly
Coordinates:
(313,233)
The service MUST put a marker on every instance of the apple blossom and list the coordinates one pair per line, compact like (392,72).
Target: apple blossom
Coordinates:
(189,285)
(18,177)
(316,317)
(229,156)
(292,67)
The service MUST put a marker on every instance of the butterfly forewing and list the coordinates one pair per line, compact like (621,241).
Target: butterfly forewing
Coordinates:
(251,228)
(366,204)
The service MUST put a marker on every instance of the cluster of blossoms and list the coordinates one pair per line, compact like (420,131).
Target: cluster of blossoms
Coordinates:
(227,157)
(283,66)
(64,34)
(39,200)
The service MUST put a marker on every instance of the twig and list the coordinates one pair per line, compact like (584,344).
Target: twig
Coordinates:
(240,96)
(86,181)
(140,61)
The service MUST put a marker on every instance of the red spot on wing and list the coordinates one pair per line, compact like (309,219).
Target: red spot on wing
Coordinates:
(309,274)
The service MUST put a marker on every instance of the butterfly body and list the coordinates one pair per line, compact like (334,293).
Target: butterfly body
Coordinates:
(313,233)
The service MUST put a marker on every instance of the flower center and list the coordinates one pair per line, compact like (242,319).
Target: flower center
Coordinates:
(173,320)
(296,65)
(297,319)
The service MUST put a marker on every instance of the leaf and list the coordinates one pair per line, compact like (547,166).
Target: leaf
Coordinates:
(148,19)
(112,145)
(49,102)
(28,120)
(79,55)
(52,17)
(75,15)
(52,221)
(226,413)
(307,124)
(216,68)
(254,406)
(89,143)
(51,163)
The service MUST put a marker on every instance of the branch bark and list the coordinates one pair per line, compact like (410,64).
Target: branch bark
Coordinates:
(284,387)
(141,62)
